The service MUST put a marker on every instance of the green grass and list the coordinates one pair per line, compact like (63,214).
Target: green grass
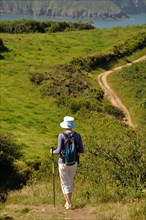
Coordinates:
(37,201)
(28,116)
(32,118)
(44,49)
(132,91)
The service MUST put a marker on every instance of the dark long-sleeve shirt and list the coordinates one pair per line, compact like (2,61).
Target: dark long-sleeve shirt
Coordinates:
(61,140)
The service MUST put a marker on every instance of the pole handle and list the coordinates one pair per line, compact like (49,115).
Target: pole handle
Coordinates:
(52,161)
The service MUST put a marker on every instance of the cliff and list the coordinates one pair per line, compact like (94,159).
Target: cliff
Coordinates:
(99,9)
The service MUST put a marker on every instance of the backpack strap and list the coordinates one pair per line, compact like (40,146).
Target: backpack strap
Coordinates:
(70,135)
(67,134)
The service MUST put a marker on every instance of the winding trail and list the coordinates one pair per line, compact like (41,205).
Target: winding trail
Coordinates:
(112,96)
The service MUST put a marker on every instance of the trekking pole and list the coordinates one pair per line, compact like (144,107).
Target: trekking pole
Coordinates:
(53,177)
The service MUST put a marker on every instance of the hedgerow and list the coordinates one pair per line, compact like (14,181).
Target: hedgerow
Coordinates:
(105,60)
(33,26)
(63,81)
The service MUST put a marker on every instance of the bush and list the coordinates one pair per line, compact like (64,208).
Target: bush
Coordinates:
(14,172)
(119,51)
(122,165)
(111,110)
(3,48)
(32,26)
(37,78)
(9,147)
(71,88)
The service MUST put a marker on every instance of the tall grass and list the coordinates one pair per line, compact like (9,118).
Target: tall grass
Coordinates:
(37,201)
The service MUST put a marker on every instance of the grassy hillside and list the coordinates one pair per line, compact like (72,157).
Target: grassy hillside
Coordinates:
(132,91)
(113,168)
(24,111)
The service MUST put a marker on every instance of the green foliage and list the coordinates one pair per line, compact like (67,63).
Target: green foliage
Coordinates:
(32,26)
(14,173)
(69,89)
(63,81)
(124,163)
(119,51)
(114,167)
(131,45)
(111,110)
(6,218)
(132,90)
(37,78)
(98,60)
(3,48)
(9,147)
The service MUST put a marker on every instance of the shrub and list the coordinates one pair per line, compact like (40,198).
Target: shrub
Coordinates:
(14,172)
(31,26)
(37,78)
(98,94)
(3,48)
(111,110)
(125,163)
(63,81)
(114,170)
(9,147)
(104,60)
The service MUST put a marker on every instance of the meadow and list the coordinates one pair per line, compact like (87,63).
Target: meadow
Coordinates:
(34,120)
(24,111)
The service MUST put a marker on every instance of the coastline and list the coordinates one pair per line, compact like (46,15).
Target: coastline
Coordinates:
(135,19)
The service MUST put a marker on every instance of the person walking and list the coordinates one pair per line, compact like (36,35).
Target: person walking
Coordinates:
(67,171)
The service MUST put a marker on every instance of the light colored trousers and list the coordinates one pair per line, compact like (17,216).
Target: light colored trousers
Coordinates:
(67,174)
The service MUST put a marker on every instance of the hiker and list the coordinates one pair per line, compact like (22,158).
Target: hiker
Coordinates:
(67,170)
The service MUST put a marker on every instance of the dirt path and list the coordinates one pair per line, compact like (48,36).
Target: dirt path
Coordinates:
(112,96)
(48,212)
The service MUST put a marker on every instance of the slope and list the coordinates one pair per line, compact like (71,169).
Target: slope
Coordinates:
(112,96)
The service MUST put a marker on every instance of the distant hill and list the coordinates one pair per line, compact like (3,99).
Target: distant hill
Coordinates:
(100,9)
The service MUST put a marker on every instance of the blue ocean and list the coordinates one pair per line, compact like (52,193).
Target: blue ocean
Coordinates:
(138,19)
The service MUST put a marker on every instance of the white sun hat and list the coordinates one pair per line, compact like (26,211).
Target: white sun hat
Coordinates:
(68,122)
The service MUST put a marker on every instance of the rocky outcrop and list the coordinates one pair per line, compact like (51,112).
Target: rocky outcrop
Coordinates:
(94,9)
(132,6)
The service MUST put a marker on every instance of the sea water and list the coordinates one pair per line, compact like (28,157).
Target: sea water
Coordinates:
(137,19)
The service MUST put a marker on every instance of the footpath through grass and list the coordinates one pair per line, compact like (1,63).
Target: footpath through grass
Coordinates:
(132,91)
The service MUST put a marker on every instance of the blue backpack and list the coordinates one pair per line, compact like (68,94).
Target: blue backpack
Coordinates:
(70,151)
